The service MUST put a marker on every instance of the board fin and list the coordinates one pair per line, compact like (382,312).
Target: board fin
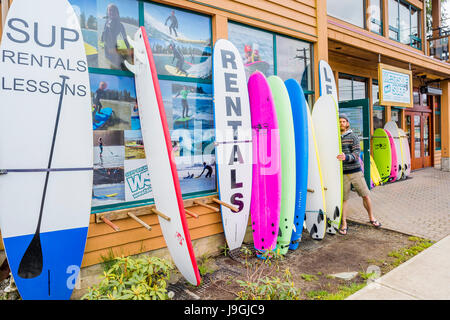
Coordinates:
(131,67)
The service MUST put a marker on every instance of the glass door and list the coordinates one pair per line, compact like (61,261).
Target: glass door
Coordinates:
(418,130)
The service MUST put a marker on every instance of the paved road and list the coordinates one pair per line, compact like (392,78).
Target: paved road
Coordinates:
(418,206)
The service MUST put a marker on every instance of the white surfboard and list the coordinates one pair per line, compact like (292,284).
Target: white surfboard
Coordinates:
(46,147)
(233,140)
(327,80)
(315,214)
(406,152)
(160,159)
(392,127)
(326,124)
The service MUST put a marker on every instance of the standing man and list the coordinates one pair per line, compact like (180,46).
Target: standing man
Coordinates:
(352,173)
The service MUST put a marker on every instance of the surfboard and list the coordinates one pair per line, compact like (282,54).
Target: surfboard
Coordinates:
(392,127)
(326,123)
(382,153)
(394,160)
(327,81)
(374,174)
(288,161)
(175,72)
(160,159)
(266,184)
(406,152)
(52,166)
(315,213)
(299,115)
(101,118)
(233,140)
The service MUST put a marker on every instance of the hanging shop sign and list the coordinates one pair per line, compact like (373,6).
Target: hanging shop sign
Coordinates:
(395,86)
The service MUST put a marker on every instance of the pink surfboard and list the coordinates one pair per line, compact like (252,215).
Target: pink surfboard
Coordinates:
(266,185)
(394,166)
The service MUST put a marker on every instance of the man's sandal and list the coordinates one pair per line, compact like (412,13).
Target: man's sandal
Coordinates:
(343,231)
(375,223)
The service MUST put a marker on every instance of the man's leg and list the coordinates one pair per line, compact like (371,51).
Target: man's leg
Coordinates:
(367,202)
(344,214)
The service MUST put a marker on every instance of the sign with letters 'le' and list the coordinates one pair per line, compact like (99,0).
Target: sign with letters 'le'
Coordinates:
(395,86)
(233,139)
(327,80)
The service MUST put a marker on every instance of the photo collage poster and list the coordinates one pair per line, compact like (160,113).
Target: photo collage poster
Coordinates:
(120,168)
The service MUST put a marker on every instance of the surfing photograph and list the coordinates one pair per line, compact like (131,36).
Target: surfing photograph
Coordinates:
(86,11)
(137,180)
(255,47)
(196,174)
(109,150)
(113,101)
(180,41)
(134,145)
(116,21)
(294,60)
(108,187)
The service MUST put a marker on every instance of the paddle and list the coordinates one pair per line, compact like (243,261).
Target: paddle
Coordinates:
(32,261)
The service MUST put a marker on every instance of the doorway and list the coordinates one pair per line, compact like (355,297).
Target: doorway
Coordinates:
(418,131)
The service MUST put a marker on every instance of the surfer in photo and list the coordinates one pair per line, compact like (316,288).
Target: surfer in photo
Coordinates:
(99,94)
(352,173)
(208,168)
(100,144)
(184,101)
(178,56)
(173,23)
(248,54)
(113,27)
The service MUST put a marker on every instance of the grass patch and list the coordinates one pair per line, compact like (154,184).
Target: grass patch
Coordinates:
(309,277)
(404,254)
(341,294)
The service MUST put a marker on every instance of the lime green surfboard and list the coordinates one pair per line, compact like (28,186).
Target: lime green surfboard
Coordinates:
(382,153)
(288,162)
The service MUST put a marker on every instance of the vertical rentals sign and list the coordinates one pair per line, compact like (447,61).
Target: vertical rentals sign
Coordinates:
(395,86)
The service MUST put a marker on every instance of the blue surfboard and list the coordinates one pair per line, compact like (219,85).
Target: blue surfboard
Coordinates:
(299,114)
(101,118)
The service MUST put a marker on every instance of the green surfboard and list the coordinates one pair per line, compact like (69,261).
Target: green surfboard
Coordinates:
(382,153)
(288,162)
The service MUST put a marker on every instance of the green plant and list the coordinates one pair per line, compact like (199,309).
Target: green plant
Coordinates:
(309,277)
(224,249)
(407,253)
(133,279)
(268,287)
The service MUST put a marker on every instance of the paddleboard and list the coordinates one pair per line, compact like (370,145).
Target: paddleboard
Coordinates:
(374,174)
(288,161)
(392,127)
(52,165)
(175,72)
(101,118)
(326,123)
(394,163)
(327,81)
(300,111)
(233,140)
(406,152)
(257,66)
(382,153)
(315,213)
(266,185)
(160,159)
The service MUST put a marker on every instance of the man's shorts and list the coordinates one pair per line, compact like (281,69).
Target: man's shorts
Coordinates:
(359,183)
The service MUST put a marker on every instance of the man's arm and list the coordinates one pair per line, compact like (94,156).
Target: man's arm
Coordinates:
(355,151)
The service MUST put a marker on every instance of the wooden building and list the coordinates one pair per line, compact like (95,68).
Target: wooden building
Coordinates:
(290,36)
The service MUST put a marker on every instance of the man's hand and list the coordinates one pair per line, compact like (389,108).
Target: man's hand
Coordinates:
(341,156)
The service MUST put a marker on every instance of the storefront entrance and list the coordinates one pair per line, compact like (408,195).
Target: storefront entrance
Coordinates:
(418,130)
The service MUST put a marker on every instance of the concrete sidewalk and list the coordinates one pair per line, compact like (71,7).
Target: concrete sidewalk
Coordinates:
(423,277)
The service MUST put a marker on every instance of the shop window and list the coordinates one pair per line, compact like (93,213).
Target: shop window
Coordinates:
(379,118)
(255,46)
(351,11)
(396,115)
(375,16)
(351,87)
(404,23)
(181,42)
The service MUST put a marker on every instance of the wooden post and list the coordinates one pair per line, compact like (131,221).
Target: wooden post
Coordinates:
(229,206)
(192,214)
(162,215)
(109,223)
(146,226)
(310,190)
(206,206)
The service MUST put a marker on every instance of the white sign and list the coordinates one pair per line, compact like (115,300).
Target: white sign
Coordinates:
(395,86)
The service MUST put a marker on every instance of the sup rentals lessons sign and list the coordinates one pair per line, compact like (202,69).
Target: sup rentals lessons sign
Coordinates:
(395,86)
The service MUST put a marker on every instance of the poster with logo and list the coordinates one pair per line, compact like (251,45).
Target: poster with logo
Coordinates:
(395,86)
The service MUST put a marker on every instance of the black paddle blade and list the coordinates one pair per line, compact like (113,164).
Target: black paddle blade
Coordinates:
(31,264)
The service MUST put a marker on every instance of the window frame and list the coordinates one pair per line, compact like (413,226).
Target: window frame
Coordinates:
(412,39)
